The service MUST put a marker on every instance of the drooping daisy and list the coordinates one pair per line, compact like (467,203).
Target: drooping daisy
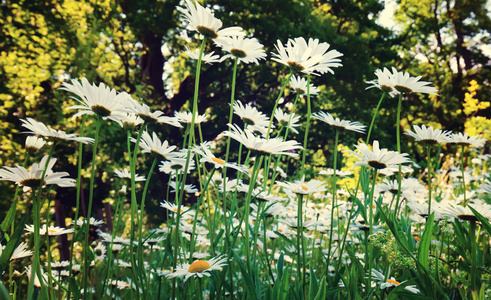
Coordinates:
(143,111)
(198,268)
(378,158)
(218,163)
(338,123)
(208,58)
(38,128)
(99,100)
(176,165)
(287,119)
(464,213)
(125,174)
(303,187)
(92,222)
(250,115)
(299,85)
(34,143)
(152,144)
(384,282)
(188,188)
(32,178)
(52,230)
(186,117)
(429,135)
(309,58)
(244,49)
(19,252)
(464,139)
(339,173)
(37,282)
(262,146)
(203,21)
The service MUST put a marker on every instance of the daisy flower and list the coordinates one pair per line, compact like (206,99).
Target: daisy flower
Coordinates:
(208,58)
(287,119)
(186,117)
(52,230)
(378,158)
(486,187)
(172,207)
(33,144)
(99,251)
(202,20)
(188,188)
(303,187)
(143,111)
(99,100)
(464,139)
(32,178)
(125,174)
(38,128)
(383,81)
(92,221)
(262,146)
(384,282)
(152,144)
(405,83)
(19,252)
(338,123)
(464,213)
(339,173)
(218,163)
(309,58)
(429,135)
(299,85)
(37,283)
(176,164)
(244,49)
(198,268)
(250,115)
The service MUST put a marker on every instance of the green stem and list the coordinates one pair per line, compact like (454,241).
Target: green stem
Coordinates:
(398,135)
(89,209)
(370,232)
(333,204)
(463,173)
(300,268)
(307,125)
(375,116)
(428,154)
(276,103)
(472,240)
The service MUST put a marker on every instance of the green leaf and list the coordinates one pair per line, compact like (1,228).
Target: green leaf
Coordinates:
(280,265)
(247,278)
(424,247)
(483,220)
(313,286)
(321,293)
(4,295)
(10,217)
(12,244)
(281,286)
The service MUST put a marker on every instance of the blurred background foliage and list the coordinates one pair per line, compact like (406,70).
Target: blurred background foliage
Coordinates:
(137,47)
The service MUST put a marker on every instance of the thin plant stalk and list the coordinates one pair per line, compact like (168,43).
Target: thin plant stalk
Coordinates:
(307,125)
(375,116)
(89,209)
(428,154)
(333,204)
(276,103)
(398,136)
(462,167)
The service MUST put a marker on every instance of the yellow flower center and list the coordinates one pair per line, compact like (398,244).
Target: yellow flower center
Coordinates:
(304,188)
(199,266)
(218,161)
(51,231)
(393,281)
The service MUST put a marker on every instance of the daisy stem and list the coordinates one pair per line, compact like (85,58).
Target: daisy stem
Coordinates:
(255,171)
(140,221)
(462,167)
(370,232)
(398,136)
(276,103)
(300,266)
(196,91)
(77,204)
(472,240)
(307,125)
(428,154)
(89,209)
(36,266)
(333,204)
(375,116)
